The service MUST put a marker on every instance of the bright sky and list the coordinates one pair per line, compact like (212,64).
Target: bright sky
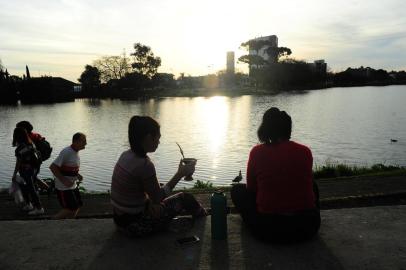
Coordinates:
(59,37)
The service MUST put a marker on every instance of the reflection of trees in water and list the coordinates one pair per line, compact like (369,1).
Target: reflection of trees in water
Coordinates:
(93,102)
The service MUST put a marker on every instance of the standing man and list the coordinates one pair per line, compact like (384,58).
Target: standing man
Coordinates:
(66,170)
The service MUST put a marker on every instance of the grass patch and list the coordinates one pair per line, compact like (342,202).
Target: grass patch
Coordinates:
(344,170)
(202,185)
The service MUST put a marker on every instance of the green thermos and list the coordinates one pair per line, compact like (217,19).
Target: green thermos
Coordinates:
(218,204)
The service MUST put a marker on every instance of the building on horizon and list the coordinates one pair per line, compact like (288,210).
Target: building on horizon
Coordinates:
(230,63)
(262,52)
(319,66)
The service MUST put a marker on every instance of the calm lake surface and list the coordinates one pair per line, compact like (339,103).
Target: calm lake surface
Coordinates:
(350,125)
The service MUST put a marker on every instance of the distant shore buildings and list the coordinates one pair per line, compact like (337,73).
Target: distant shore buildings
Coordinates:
(319,66)
(272,42)
(230,66)
(29,90)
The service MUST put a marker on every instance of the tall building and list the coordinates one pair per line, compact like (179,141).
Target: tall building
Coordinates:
(273,42)
(230,63)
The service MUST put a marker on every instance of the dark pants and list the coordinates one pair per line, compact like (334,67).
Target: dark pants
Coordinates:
(282,228)
(142,224)
(28,189)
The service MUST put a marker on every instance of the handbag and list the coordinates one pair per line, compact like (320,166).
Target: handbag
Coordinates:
(15,191)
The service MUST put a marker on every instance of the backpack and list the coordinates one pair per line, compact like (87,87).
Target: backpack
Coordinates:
(44,148)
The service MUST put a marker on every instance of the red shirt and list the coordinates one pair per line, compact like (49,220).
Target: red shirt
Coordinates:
(281,176)
(35,137)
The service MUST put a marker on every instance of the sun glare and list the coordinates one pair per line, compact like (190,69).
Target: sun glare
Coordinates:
(214,118)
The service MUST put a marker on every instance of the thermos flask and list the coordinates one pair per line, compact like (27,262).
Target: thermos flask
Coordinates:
(218,204)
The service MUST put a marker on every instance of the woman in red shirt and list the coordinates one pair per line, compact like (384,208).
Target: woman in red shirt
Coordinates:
(278,201)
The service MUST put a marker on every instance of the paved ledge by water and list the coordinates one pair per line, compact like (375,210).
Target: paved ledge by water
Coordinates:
(334,193)
(353,238)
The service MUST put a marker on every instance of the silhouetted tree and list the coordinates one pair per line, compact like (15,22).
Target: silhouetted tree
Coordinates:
(252,60)
(112,67)
(257,64)
(144,60)
(27,71)
(277,52)
(8,87)
(90,80)
(255,45)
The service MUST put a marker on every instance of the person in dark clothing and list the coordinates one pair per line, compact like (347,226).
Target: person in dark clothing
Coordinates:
(280,200)
(35,137)
(141,206)
(26,164)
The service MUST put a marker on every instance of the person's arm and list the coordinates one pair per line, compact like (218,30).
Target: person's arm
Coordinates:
(17,167)
(57,172)
(153,190)
(157,193)
(183,170)
(251,175)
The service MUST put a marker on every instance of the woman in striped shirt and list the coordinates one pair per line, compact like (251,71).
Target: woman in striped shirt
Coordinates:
(141,206)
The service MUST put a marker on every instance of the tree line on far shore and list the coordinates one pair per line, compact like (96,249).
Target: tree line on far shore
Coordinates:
(279,72)
(136,75)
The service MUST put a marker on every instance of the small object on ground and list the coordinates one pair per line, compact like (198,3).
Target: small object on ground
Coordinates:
(238,178)
(188,240)
(393,140)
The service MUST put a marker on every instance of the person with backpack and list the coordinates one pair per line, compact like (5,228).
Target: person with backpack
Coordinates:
(42,146)
(27,159)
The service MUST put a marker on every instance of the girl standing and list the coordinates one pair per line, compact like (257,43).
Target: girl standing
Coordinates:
(26,164)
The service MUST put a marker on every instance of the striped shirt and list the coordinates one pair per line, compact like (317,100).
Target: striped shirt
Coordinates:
(68,162)
(132,178)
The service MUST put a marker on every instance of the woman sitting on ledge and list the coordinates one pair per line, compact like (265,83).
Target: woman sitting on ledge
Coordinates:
(140,206)
(278,202)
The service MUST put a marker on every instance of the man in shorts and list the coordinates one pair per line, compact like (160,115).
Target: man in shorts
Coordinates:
(66,170)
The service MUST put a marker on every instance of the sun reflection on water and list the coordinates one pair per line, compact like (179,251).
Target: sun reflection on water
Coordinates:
(213,114)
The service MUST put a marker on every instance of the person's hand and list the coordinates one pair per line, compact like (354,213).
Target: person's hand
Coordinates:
(67,182)
(186,169)
(154,210)
(80,177)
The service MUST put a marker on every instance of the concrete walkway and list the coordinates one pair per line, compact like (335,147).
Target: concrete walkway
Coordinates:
(356,238)
(334,193)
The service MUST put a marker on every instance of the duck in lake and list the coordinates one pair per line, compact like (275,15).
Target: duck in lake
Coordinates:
(393,140)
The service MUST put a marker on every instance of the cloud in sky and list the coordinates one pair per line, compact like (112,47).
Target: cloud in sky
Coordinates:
(59,37)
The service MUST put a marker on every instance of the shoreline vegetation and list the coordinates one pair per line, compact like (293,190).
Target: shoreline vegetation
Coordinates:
(272,70)
(184,92)
(334,171)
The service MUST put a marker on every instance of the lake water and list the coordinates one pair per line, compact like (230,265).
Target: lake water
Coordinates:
(350,125)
